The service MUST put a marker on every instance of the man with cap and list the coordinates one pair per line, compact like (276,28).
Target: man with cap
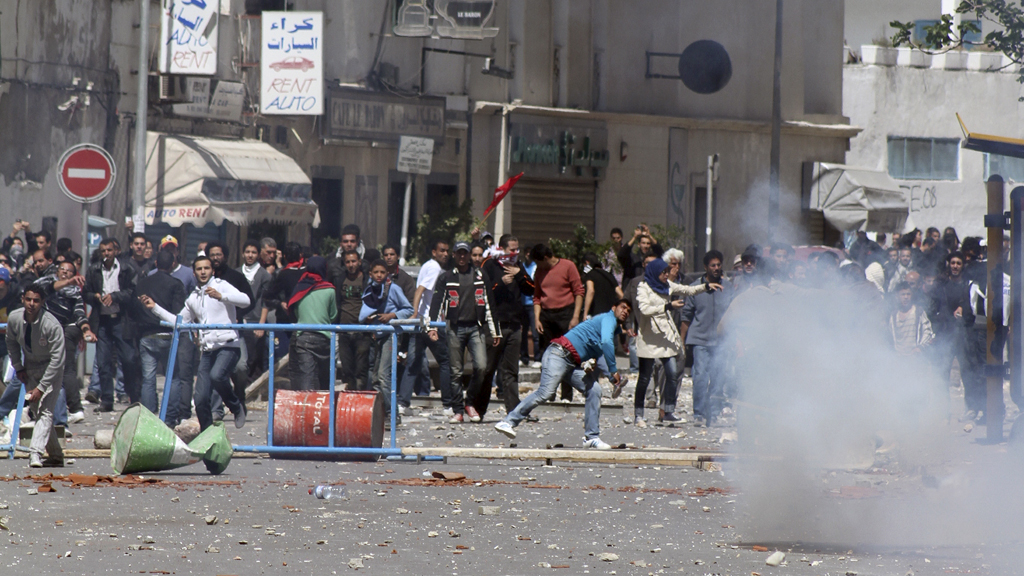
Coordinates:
(465,301)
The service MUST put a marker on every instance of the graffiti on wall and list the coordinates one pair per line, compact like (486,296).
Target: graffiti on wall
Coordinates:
(920,197)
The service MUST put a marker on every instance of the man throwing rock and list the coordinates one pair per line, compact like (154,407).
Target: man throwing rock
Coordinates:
(563,362)
(35,342)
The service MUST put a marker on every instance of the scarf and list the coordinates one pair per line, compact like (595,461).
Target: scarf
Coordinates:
(250,271)
(651,274)
(376,294)
(297,265)
(312,279)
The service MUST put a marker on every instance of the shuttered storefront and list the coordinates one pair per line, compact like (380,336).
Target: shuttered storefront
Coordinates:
(545,209)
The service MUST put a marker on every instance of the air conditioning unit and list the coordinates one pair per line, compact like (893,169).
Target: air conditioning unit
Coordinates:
(173,88)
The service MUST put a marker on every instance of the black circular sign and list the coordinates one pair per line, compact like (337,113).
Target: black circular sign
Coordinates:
(705,67)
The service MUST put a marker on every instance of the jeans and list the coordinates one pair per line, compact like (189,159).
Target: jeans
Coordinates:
(382,372)
(415,364)
(973,368)
(556,323)
(94,378)
(312,361)
(354,354)
(215,368)
(501,360)
(461,338)
(668,399)
(152,350)
(557,367)
(72,385)
(112,343)
(708,382)
(179,404)
(528,332)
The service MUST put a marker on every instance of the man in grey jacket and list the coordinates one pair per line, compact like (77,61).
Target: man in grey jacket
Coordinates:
(35,342)
(700,317)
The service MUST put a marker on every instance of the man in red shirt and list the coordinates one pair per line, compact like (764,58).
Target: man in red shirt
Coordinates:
(557,299)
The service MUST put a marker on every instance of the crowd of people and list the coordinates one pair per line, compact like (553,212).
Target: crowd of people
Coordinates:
(504,306)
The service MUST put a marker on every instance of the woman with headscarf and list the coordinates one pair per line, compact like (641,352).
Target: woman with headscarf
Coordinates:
(312,302)
(658,336)
(382,303)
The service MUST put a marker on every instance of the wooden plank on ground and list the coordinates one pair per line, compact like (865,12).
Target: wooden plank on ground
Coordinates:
(660,457)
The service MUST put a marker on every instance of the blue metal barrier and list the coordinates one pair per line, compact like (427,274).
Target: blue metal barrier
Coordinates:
(395,328)
(12,445)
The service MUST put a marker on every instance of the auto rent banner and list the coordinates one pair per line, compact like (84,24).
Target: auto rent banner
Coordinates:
(291,63)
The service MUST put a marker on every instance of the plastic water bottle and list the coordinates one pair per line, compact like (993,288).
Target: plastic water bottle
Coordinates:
(326,491)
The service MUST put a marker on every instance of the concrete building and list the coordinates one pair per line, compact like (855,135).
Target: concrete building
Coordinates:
(598,116)
(907,108)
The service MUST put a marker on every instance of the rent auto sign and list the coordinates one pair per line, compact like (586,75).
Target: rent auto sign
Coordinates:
(291,63)
(188,36)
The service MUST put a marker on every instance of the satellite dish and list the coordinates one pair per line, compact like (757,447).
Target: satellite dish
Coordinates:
(705,67)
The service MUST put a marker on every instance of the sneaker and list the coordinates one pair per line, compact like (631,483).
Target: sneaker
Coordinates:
(92,398)
(698,421)
(76,417)
(240,418)
(474,416)
(455,419)
(448,413)
(123,399)
(639,422)
(401,410)
(35,461)
(535,364)
(505,427)
(101,408)
(597,444)
(670,417)
(56,462)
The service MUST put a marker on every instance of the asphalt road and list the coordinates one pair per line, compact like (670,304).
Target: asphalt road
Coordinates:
(505,517)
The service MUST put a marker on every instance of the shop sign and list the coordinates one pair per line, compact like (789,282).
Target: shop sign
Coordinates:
(364,115)
(188,36)
(292,63)
(577,150)
(225,104)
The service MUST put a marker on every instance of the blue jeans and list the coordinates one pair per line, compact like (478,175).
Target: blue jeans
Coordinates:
(461,338)
(708,382)
(668,398)
(382,371)
(557,366)
(215,368)
(179,404)
(415,365)
(111,344)
(152,349)
(9,402)
(94,379)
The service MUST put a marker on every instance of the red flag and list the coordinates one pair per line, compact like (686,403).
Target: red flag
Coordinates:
(501,191)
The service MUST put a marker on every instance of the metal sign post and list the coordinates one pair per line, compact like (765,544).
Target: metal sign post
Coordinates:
(415,155)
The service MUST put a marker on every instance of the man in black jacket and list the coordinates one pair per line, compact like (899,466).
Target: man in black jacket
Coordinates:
(282,285)
(109,288)
(463,299)
(508,283)
(63,292)
(154,339)
(137,257)
(349,280)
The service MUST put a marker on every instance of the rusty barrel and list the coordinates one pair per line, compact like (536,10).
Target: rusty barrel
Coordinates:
(301,419)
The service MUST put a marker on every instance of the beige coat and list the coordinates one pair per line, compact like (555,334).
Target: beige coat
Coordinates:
(657,334)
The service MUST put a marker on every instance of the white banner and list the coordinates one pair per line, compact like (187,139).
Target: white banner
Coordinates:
(188,36)
(291,63)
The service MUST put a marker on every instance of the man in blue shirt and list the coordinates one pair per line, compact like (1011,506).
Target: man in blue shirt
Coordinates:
(563,362)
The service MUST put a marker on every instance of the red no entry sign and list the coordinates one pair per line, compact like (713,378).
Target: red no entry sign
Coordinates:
(86,173)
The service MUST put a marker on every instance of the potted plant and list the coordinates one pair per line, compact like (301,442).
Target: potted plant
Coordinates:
(880,53)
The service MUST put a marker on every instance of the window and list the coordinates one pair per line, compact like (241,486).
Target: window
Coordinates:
(920,36)
(1011,169)
(924,158)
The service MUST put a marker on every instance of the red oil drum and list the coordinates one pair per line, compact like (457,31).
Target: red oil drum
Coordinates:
(301,419)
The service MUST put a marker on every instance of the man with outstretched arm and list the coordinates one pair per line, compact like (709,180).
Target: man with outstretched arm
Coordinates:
(214,301)
(563,362)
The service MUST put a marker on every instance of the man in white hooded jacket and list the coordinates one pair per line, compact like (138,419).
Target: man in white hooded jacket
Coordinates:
(213,301)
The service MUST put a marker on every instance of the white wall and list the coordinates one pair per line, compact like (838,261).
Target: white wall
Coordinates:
(903,101)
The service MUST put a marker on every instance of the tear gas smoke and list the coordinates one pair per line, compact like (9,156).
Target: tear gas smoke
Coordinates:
(820,389)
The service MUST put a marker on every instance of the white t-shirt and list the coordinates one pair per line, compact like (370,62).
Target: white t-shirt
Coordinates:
(427,278)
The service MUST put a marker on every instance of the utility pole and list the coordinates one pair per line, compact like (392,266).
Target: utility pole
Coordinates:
(773,177)
(139,176)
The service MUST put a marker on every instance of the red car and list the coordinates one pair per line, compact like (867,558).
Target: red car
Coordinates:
(292,63)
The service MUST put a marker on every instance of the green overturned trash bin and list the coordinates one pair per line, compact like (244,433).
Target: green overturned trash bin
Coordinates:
(143,443)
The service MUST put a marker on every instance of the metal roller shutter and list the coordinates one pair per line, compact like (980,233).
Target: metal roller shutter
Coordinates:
(545,209)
